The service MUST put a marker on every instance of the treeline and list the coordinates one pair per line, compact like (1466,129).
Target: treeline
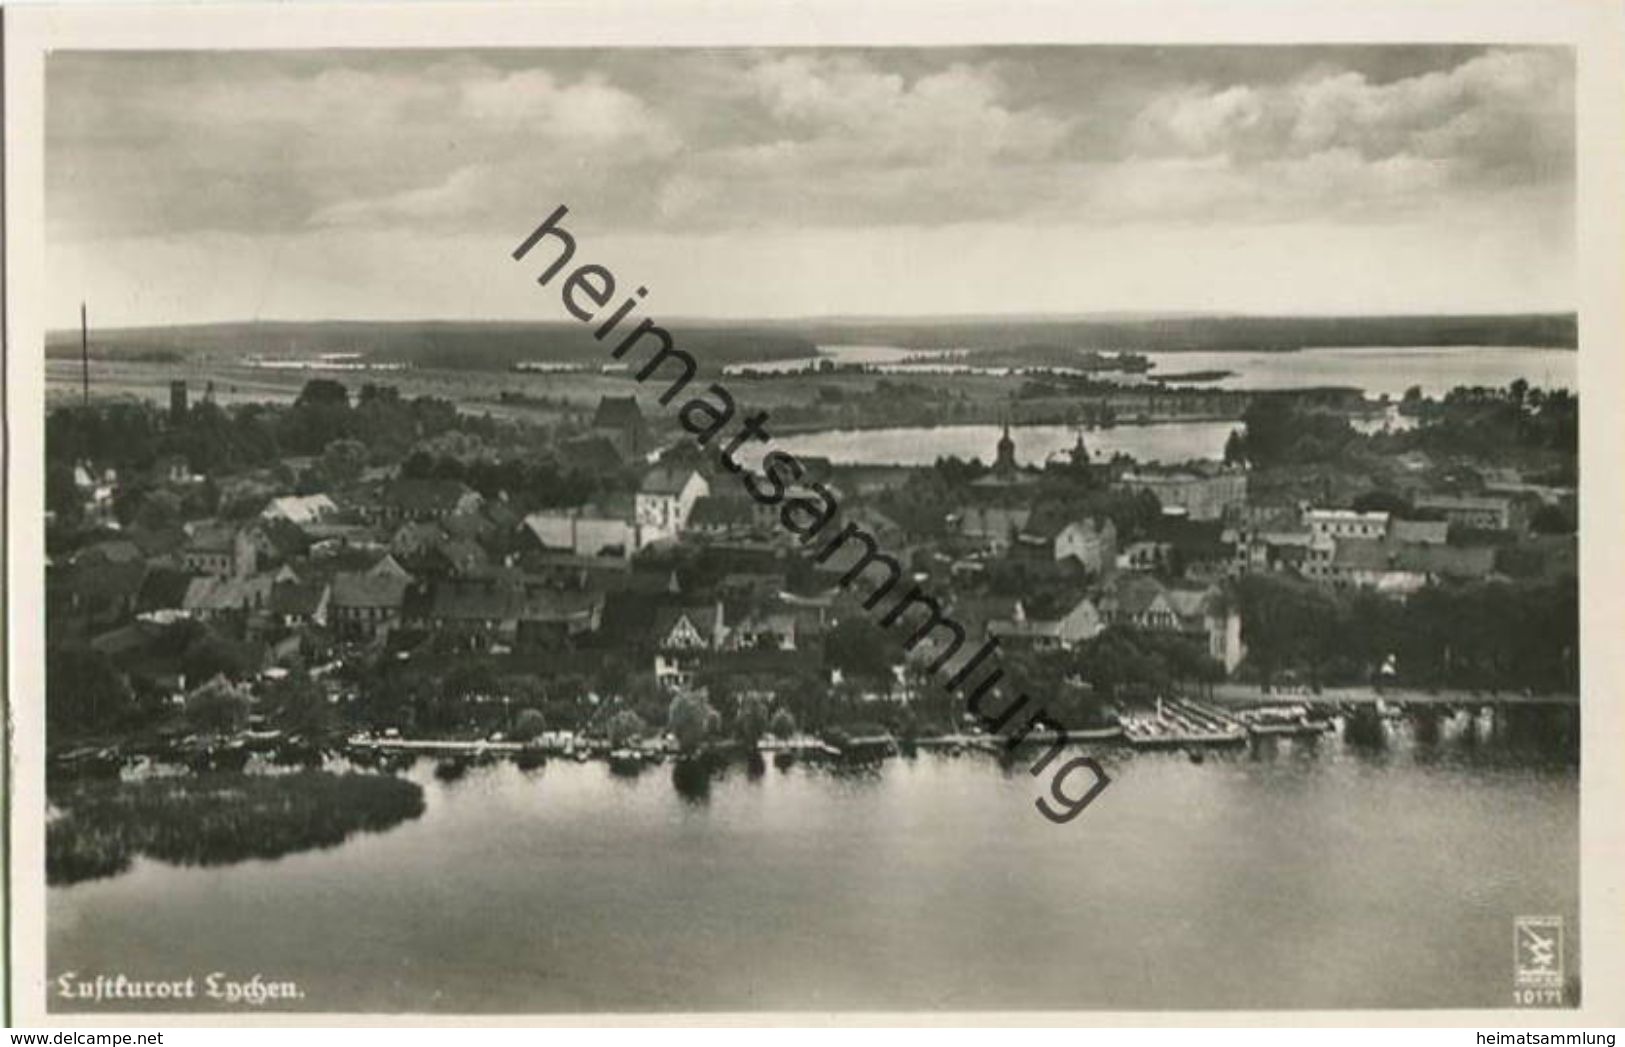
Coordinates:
(1067,491)
(213,438)
(528,483)
(447,345)
(1486,421)
(1220,333)
(1278,430)
(1494,635)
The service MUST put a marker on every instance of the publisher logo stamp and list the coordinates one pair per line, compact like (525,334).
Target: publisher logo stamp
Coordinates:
(1538,952)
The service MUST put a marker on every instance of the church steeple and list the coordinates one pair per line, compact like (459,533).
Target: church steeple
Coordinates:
(1079,453)
(1006,461)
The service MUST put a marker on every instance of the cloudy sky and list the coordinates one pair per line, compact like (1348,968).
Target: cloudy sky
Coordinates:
(208,186)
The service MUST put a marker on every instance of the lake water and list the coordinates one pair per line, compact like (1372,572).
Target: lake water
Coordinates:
(1382,371)
(1295,874)
(1035,444)
(1379,371)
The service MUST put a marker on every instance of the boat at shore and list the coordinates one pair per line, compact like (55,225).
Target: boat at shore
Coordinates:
(1282,721)
(625,761)
(86,762)
(1181,723)
(451,768)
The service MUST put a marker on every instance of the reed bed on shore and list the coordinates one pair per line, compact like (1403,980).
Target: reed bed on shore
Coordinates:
(217,819)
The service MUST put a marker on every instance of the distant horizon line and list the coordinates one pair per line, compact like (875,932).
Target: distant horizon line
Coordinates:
(854,319)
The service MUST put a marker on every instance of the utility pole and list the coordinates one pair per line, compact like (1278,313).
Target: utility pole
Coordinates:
(84,353)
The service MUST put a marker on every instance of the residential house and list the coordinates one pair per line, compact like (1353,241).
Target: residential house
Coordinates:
(769,516)
(1370,563)
(1330,527)
(173,469)
(455,556)
(1222,620)
(163,592)
(480,612)
(295,604)
(368,604)
(1062,631)
(220,550)
(1142,555)
(212,597)
(413,538)
(1486,512)
(423,499)
(300,509)
(550,618)
(1091,542)
(682,636)
(1419,532)
(1205,614)
(388,566)
(1268,551)
(1141,602)
(1191,548)
(993,528)
(774,630)
(666,497)
(698,627)
(110,551)
(1402,568)
(276,541)
(1201,495)
(596,530)
(1330,524)
(568,571)
(717,516)
(480,526)
(101,592)
(95,491)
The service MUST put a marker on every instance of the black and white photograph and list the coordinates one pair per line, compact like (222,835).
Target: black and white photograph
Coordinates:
(668,528)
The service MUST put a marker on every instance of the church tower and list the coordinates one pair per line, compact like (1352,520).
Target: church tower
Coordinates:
(1079,453)
(1006,461)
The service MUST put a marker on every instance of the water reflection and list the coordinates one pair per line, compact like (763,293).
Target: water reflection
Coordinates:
(216,818)
(692,779)
(1375,862)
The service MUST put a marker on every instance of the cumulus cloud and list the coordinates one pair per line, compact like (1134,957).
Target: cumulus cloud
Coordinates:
(716,140)
(1503,117)
(851,109)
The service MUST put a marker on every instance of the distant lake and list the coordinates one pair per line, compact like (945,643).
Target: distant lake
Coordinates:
(1380,370)
(1292,874)
(1035,444)
(1167,442)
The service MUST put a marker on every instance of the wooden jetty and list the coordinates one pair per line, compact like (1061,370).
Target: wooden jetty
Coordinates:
(1179,724)
(801,745)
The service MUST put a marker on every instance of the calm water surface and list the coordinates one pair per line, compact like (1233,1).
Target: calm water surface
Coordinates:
(1035,444)
(1293,875)
(1379,371)
(1382,371)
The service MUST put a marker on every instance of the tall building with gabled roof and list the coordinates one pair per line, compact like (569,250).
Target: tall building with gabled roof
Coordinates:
(620,421)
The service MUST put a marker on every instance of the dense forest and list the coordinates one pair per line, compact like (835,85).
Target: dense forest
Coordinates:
(450,345)
(498,345)
(1207,333)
